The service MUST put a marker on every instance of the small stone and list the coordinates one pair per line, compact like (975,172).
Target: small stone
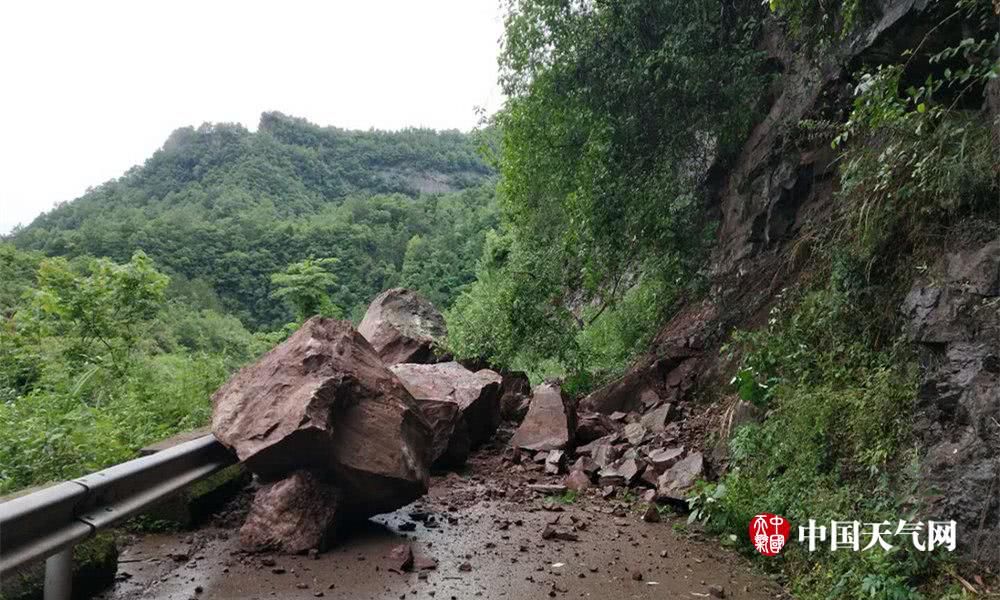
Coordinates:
(717,591)
(465,567)
(424,563)
(547,489)
(577,481)
(652,515)
(401,558)
(637,575)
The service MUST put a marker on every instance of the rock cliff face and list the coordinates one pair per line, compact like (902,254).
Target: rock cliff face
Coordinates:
(775,192)
(954,317)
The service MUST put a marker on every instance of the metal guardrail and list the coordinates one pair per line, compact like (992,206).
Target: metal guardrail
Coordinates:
(48,523)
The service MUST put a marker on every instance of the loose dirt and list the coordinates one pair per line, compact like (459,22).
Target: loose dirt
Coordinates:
(482,527)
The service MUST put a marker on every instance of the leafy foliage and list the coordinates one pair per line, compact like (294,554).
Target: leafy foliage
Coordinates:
(919,155)
(831,367)
(101,315)
(835,442)
(817,20)
(305,286)
(97,360)
(616,111)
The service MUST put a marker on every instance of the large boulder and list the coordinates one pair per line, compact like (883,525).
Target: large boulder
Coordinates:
(450,441)
(550,423)
(403,327)
(515,395)
(475,395)
(295,514)
(323,400)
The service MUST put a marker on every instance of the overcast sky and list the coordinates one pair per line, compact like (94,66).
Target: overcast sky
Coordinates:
(88,89)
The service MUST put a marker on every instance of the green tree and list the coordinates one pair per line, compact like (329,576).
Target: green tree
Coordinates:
(102,314)
(305,287)
(616,113)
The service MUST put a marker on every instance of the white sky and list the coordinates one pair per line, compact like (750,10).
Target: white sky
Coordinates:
(88,89)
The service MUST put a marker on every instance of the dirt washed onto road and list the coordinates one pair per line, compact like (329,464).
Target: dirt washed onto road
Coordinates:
(478,534)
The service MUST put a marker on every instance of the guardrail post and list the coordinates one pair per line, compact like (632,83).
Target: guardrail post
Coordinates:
(59,575)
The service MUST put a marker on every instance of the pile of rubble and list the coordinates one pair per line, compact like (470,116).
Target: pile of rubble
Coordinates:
(340,424)
(609,451)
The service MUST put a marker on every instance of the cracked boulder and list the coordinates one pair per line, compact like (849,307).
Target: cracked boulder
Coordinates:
(475,395)
(403,327)
(550,423)
(322,400)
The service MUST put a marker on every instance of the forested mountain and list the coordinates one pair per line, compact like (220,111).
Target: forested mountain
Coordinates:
(224,208)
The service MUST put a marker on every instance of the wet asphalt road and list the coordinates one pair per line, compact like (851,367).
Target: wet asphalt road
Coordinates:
(485,548)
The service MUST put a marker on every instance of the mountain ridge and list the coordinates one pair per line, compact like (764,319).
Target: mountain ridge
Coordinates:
(214,197)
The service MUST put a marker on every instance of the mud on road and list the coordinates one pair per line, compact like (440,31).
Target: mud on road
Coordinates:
(481,531)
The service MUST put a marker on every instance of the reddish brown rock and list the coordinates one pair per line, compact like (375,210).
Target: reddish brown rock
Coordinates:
(649,479)
(592,426)
(547,488)
(649,397)
(550,423)
(424,563)
(323,400)
(515,395)
(585,464)
(476,394)
(680,478)
(622,472)
(551,532)
(651,514)
(450,443)
(604,454)
(635,433)
(577,481)
(294,515)
(588,449)
(554,462)
(656,420)
(400,558)
(662,459)
(403,327)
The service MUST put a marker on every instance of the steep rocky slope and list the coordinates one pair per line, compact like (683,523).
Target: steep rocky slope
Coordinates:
(779,192)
